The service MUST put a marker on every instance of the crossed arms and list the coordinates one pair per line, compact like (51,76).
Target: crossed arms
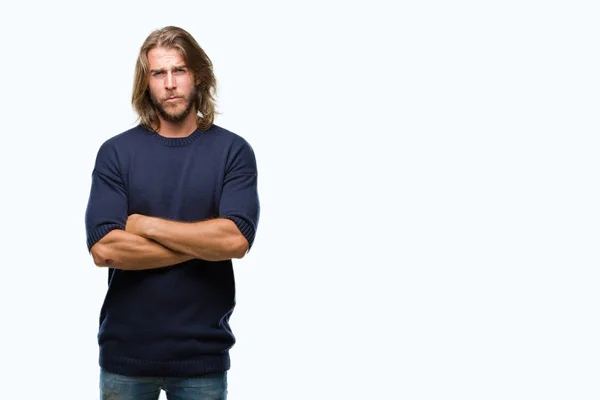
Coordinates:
(149,242)
(119,240)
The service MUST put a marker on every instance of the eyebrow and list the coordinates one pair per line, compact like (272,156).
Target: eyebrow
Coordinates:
(152,71)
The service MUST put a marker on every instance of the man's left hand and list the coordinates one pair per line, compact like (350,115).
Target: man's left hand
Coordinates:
(136,223)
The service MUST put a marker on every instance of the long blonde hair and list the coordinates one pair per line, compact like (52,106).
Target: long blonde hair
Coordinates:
(173,37)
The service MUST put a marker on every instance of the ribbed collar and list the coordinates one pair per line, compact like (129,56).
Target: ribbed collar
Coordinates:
(174,142)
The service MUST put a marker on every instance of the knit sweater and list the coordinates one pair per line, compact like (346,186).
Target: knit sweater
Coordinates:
(171,321)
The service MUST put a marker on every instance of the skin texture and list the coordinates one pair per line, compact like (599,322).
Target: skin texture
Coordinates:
(149,242)
(170,78)
(214,240)
(124,250)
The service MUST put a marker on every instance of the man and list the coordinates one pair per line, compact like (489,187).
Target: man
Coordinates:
(172,202)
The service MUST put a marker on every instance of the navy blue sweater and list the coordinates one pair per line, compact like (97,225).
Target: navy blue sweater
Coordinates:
(171,321)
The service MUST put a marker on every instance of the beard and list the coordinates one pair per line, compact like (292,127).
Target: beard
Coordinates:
(174,116)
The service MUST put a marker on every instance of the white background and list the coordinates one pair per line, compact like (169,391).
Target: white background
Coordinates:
(428,180)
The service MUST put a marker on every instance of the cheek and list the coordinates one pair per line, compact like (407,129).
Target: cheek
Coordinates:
(187,91)
(189,84)
(156,92)
(154,87)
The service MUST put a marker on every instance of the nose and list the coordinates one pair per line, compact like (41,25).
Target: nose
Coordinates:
(170,81)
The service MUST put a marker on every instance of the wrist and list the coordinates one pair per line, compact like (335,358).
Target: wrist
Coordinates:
(147,227)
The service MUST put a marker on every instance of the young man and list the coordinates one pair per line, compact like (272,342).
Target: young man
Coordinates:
(172,202)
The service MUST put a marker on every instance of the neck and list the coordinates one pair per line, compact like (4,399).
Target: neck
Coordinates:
(178,129)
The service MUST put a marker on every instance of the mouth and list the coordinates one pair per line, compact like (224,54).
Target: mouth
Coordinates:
(172,99)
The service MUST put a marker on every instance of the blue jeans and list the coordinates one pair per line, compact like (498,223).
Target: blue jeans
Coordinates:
(119,387)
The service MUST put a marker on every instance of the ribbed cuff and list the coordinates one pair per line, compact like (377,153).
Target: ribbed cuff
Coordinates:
(94,236)
(244,227)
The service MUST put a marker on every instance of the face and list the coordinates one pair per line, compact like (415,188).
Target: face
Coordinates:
(172,89)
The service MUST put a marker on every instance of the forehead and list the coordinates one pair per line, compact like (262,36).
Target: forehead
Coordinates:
(161,57)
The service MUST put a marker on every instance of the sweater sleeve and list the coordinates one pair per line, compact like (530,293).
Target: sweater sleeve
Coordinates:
(239,199)
(107,202)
